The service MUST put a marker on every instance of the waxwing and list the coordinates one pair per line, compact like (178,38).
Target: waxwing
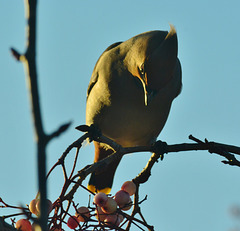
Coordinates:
(130,94)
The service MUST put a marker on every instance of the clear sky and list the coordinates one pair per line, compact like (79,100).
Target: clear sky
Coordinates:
(187,191)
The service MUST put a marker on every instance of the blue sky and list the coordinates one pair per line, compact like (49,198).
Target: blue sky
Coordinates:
(187,191)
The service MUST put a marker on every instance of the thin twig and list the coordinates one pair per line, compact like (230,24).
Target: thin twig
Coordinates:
(75,162)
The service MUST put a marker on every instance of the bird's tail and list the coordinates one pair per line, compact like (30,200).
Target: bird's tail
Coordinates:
(102,180)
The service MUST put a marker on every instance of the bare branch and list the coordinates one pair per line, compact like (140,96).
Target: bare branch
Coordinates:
(16,54)
(158,151)
(29,61)
(59,131)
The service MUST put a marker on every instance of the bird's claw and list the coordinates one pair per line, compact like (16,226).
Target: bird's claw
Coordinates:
(160,148)
(93,131)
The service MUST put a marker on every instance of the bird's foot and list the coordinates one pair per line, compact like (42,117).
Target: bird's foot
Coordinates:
(93,131)
(160,148)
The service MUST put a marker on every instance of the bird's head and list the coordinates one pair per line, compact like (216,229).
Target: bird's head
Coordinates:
(151,57)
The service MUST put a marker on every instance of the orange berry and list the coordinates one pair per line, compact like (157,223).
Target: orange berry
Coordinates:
(82,214)
(129,187)
(23,225)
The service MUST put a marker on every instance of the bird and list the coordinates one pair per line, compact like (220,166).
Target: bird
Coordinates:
(130,94)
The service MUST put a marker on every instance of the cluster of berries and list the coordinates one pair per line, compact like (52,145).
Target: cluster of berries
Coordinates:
(108,209)
(34,207)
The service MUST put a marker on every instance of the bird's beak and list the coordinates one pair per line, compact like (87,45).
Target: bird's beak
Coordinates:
(143,77)
(145,94)
(148,93)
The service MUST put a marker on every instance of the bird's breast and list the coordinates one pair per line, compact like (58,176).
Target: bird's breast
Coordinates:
(120,112)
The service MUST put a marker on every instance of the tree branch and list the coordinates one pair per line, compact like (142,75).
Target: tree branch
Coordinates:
(42,139)
(158,151)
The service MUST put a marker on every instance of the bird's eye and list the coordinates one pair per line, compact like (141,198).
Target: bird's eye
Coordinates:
(142,69)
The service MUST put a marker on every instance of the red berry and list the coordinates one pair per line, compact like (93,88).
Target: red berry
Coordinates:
(100,199)
(127,206)
(120,217)
(72,222)
(100,215)
(112,220)
(23,225)
(122,198)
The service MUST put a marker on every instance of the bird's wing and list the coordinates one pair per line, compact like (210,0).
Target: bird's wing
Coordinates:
(94,77)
